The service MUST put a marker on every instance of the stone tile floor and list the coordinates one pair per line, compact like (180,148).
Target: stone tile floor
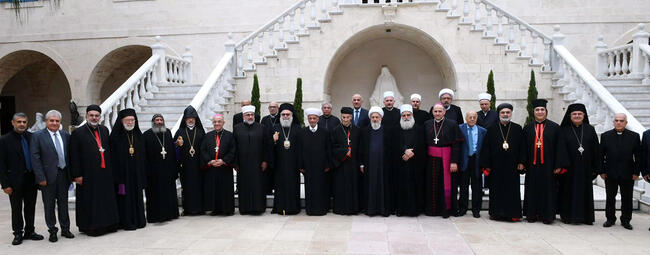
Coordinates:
(334,234)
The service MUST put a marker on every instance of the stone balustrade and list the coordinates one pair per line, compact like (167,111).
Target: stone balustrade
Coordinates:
(628,61)
(645,52)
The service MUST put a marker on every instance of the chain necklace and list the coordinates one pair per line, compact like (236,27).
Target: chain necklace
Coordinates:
(287,143)
(192,151)
(437,132)
(582,133)
(131,140)
(506,146)
(162,144)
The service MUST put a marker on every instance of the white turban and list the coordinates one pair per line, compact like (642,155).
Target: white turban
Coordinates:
(406,108)
(484,96)
(247,108)
(389,94)
(446,91)
(313,111)
(416,96)
(377,110)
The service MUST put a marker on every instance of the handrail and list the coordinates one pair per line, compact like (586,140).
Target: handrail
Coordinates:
(591,81)
(270,23)
(518,20)
(645,49)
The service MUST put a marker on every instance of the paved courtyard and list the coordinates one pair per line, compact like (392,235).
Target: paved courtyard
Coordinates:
(334,234)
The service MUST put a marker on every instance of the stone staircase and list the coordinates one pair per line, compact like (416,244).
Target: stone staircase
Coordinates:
(170,100)
(634,96)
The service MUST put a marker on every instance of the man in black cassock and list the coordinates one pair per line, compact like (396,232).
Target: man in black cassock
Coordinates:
(287,148)
(315,164)
(486,116)
(238,118)
(346,176)
(546,155)
(130,164)
(91,168)
(576,192)
(218,156)
(391,114)
(188,141)
(162,172)
(443,138)
(420,115)
(378,143)
(621,157)
(502,160)
(18,180)
(250,162)
(645,156)
(268,121)
(409,174)
(327,120)
(452,111)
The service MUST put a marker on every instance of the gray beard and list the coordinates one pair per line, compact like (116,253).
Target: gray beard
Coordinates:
(505,119)
(94,124)
(249,122)
(286,122)
(129,128)
(406,124)
(159,129)
(375,125)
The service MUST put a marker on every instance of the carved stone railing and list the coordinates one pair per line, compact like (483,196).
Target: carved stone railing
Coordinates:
(645,52)
(625,61)
(178,70)
(578,85)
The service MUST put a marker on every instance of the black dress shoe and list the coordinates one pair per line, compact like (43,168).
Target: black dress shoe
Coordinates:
(33,236)
(608,224)
(476,214)
(53,237)
(18,239)
(67,234)
(627,226)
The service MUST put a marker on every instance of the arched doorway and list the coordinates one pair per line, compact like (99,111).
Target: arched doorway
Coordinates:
(31,82)
(418,63)
(114,69)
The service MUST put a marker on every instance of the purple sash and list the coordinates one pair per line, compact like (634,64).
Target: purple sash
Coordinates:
(445,154)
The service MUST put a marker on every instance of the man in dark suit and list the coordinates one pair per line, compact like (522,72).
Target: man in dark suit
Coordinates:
(359,115)
(239,118)
(645,156)
(17,179)
(621,151)
(452,111)
(469,170)
(49,149)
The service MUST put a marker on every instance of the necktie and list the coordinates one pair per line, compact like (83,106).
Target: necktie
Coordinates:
(470,138)
(28,162)
(356,117)
(59,151)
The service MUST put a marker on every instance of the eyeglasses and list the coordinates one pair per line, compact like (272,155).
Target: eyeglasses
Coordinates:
(286,114)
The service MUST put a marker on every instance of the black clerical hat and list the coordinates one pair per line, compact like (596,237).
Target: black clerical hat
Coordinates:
(287,106)
(503,106)
(190,112)
(566,121)
(539,103)
(118,127)
(346,110)
(156,116)
(93,107)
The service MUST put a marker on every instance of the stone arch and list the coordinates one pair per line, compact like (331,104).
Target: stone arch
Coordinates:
(30,82)
(114,69)
(418,62)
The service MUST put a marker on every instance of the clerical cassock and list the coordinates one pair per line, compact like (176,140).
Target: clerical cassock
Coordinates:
(443,139)
(130,166)
(346,176)
(328,122)
(252,150)
(315,162)
(391,117)
(576,192)
(409,175)
(190,162)
(421,116)
(501,153)
(545,153)
(218,186)
(487,119)
(286,162)
(162,172)
(268,121)
(90,160)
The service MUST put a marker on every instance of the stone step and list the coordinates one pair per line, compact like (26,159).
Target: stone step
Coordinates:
(633,102)
(170,109)
(632,95)
(168,102)
(179,88)
(175,95)
(628,88)
(620,81)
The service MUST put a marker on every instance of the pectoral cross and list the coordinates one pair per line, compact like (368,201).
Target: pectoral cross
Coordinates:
(163,153)
(539,144)
(101,149)
(216,149)
(435,140)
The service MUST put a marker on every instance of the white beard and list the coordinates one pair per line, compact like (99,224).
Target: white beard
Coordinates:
(375,125)
(249,122)
(129,128)
(504,119)
(159,129)
(406,124)
(94,124)
(286,122)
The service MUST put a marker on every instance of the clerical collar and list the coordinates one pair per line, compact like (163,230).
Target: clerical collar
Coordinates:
(313,129)
(438,121)
(619,132)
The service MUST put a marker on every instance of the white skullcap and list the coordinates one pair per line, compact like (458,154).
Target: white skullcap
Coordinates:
(247,108)
(389,94)
(405,108)
(313,111)
(377,110)
(484,96)
(446,91)
(416,96)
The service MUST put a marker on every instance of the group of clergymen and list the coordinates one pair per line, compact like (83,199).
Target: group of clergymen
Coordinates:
(382,161)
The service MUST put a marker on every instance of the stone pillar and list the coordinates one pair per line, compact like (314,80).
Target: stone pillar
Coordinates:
(187,56)
(160,73)
(638,61)
(601,60)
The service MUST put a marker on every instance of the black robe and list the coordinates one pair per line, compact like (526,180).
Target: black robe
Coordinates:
(435,202)
(218,186)
(453,113)
(421,116)
(486,120)
(576,189)
(239,118)
(379,163)
(314,160)
(505,195)
(190,170)
(286,163)
(252,149)
(540,194)
(346,177)
(391,117)
(96,202)
(328,122)
(268,121)
(130,171)
(162,199)
(409,176)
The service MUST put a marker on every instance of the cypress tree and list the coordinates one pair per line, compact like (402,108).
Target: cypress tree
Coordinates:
(490,90)
(532,95)
(255,95)
(297,104)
